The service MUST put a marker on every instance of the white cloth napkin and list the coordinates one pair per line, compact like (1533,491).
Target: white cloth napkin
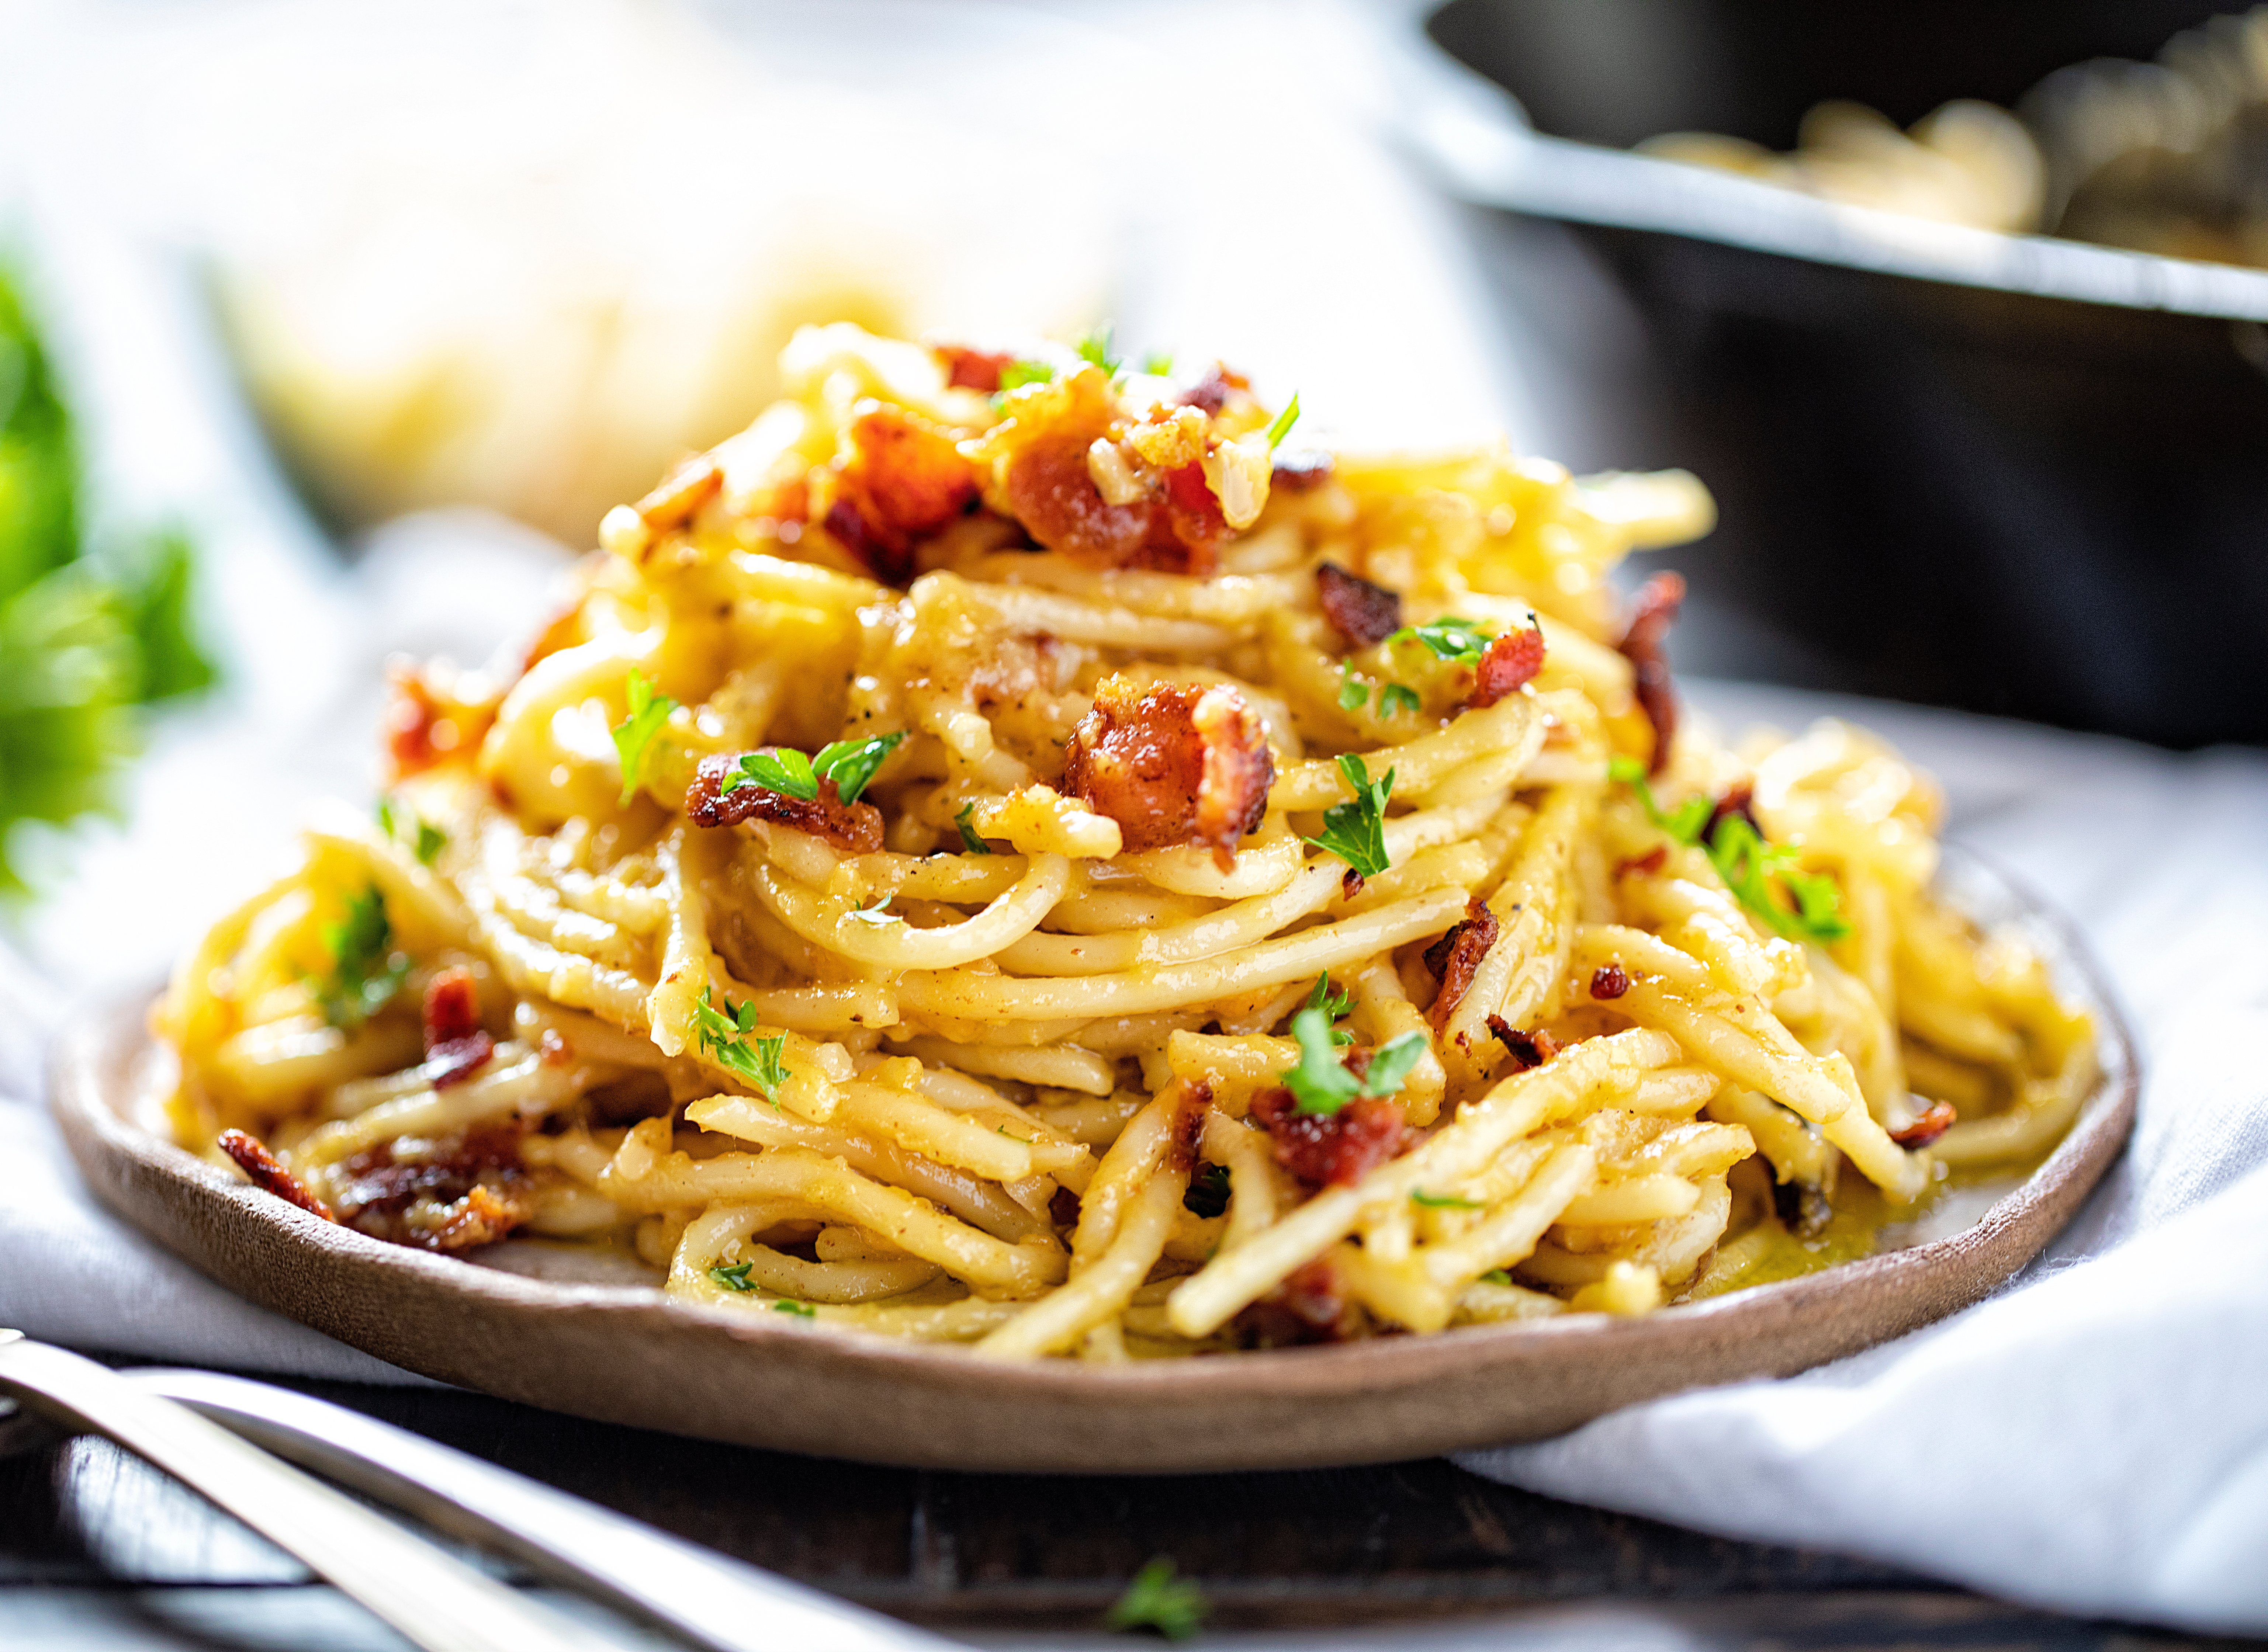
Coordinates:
(2094,1438)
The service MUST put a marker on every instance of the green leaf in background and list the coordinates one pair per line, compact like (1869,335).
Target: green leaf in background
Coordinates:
(87,637)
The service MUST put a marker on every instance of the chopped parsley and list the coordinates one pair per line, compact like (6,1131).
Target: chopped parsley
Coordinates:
(1208,1193)
(1395,698)
(850,764)
(1496,1276)
(1016,375)
(1158,363)
(1354,693)
(1281,425)
(1441,1201)
(365,971)
(635,733)
(1334,1003)
(1460,642)
(877,914)
(1322,1084)
(803,1308)
(1356,831)
(427,841)
(726,1040)
(1748,864)
(1160,1602)
(734,1278)
(969,841)
(1095,347)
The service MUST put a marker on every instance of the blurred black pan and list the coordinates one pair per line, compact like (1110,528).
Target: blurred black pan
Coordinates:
(2009,473)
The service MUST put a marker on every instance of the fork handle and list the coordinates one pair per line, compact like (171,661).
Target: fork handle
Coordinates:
(434,1600)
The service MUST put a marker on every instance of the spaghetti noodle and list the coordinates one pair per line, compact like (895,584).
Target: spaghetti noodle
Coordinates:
(1012,850)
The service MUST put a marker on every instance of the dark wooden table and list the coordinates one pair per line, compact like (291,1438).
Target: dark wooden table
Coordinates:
(98,1550)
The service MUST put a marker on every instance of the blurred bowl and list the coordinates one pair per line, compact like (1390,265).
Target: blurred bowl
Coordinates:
(2008,472)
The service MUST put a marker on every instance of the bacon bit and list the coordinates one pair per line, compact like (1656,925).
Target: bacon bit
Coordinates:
(1351,884)
(470,1189)
(252,1157)
(904,479)
(1528,1049)
(969,368)
(1336,1148)
(854,828)
(1308,1307)
(426,721)
(1738,799)
(1063,1207)
(458,1059)
(683,491)
(1610,981)
(1185,537)
(1188,1125)
(1642,644)
(1172,765)
(1210,394)
(1358,611)
(452,1008)
(1456,957)
(1302,470)
(1649,863)
(1933,1122)
(1510,662)
(1176,532)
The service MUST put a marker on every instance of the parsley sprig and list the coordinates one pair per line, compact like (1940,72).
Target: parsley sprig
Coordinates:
(850,764)
(1459,641)
(1442,1202)
(426,840)
(635,733)
(1016,375)
(969,839)
(1356,831)
(1159,1600)
(1321,1082)
(1280,426)
(366,972)
(1094,346)
(734,1278)
(1748,865)
(1335,1002)
(727,1039)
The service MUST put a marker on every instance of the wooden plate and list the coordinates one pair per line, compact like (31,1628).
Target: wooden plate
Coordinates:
(512,1324)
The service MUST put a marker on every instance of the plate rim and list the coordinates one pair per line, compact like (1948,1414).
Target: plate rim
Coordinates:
(101,1061)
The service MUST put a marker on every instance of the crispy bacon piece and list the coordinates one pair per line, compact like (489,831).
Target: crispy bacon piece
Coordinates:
(1172,765)
(1300,470)
(1508,664)
(1210,394)
(1456,957)
(252,1157)
(1738,799)
(1528,1049)
(1935,1121)
(427,721)
(904,479)
(1308,1307)
(684,490)
(1653,861)
(1642,645)
(458,1059)
(969,369)
(1332,1148)
(855,828)
(1610,981)
(469,1189)
(452,1008)
(1358,611)
(1185,536)
(1177,532)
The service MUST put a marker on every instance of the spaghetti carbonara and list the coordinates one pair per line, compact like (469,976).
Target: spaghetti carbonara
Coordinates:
(1018,850)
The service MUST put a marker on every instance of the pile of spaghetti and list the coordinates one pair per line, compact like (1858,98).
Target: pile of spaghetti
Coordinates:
(1016,849)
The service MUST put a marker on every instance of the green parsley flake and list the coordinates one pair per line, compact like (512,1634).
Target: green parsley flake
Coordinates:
(1746,862)
(1281,425)
(1397,697)
(726,1040)
(733,1278)
(1016,375)
(969,839)
(803,1308)
(850,764)
(635,733)
(430,838)
(1496,1276)
(365,970)
(1158,363)
(1095,347)
(1356,831)
(1322,1084)
(1354,693)
(1334,1001)
(1160,1602)
(1460,642)
(1441,1201)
